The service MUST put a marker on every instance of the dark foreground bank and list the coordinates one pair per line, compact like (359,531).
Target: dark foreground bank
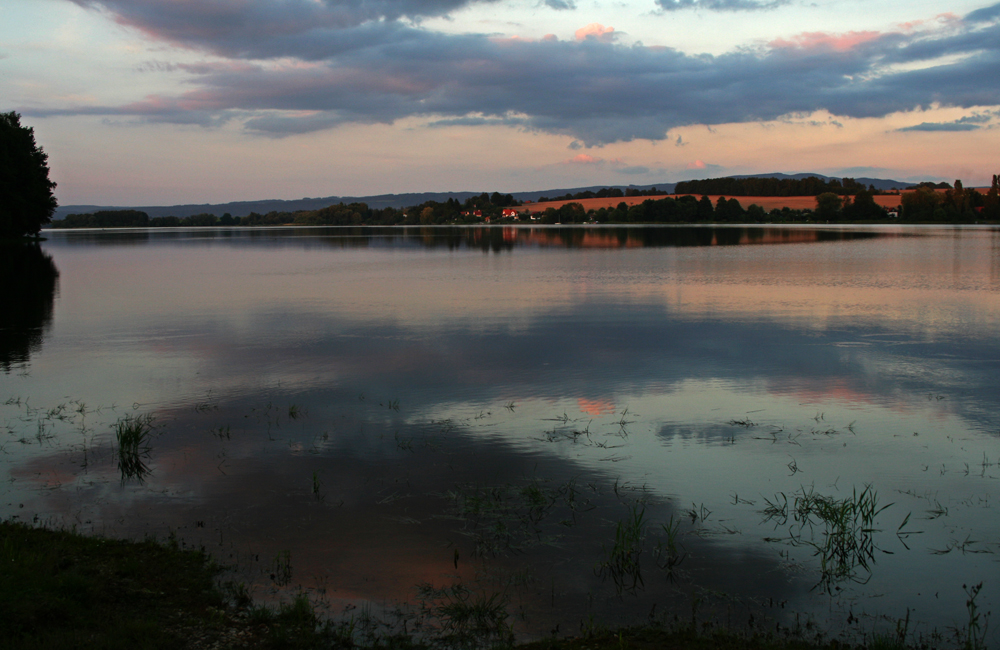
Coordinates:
(59,589)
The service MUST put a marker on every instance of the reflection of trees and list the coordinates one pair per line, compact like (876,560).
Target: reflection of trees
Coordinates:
(28,281)
(494,239)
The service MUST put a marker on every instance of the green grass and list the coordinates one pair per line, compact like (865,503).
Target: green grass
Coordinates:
(62,590)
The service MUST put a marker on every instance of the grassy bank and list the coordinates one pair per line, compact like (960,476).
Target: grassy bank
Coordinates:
(59,589)
(62,590)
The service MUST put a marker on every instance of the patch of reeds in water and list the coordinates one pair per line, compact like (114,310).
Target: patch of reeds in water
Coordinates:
(132,435)
(846,542)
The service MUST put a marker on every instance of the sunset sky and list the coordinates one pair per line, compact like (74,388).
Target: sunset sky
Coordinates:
(153,102)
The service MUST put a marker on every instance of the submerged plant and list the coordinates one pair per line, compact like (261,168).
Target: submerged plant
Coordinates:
(316,486)
(509,518)
(282,573)
(132,434)
(668,555)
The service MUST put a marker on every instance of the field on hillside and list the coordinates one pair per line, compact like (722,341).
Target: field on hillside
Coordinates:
(766,202)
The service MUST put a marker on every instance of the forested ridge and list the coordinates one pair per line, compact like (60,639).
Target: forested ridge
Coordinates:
(754,186)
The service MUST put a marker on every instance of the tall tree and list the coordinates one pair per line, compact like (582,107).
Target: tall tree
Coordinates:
(828,206)
(26,199)
(991,204)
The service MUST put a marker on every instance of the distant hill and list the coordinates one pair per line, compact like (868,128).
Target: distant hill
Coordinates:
(243,208)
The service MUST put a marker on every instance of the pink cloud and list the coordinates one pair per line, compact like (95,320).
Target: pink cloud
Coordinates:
(595,30)
(825,41)
(947,18)
(696,165)
(583,159)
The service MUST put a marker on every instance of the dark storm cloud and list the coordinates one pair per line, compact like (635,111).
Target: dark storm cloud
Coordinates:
(720,5)
(238,27)
(300,66)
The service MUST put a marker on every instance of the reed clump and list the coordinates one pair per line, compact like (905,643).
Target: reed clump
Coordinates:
(132,435)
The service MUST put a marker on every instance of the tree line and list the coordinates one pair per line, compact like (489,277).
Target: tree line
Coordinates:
(604,193)
(954,205)
(810,186)
(923,205)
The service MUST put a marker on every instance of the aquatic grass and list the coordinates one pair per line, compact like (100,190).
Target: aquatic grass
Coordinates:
(668,554)
(621,562)
(281,573)
(976,627)
(466,619)
(846,544)
(132,435)
(696,512)
(509,518)
(317,486)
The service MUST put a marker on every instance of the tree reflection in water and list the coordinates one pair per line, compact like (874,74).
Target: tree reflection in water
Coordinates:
(28,283)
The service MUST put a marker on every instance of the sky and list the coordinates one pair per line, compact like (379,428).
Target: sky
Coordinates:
(162,102)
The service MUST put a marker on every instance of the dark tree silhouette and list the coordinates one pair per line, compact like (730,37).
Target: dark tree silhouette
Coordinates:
(26,200)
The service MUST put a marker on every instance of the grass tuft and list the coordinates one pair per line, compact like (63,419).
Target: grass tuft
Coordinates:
(132,434)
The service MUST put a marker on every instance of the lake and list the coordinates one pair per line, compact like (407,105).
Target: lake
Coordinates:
(578,426)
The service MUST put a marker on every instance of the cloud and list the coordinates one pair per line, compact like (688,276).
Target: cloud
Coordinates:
(559,5)
(473,120)
(823,40)
(941,126)
(679,142)
(315,67)
(967,123)
(985,14)
(243,27)
(583,159)
(721,5)
(697,164)
(596,31)
(637,170)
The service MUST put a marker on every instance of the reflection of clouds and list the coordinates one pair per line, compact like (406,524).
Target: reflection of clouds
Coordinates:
(596,407)
(385,521)
(439,326)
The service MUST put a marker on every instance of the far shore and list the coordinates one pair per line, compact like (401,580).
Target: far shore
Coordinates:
(769,203)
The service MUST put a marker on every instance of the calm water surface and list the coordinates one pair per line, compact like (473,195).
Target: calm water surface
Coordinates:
(356,412)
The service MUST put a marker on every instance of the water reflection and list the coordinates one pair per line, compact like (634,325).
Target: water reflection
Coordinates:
(392,407)
(28,284)
(495,238)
